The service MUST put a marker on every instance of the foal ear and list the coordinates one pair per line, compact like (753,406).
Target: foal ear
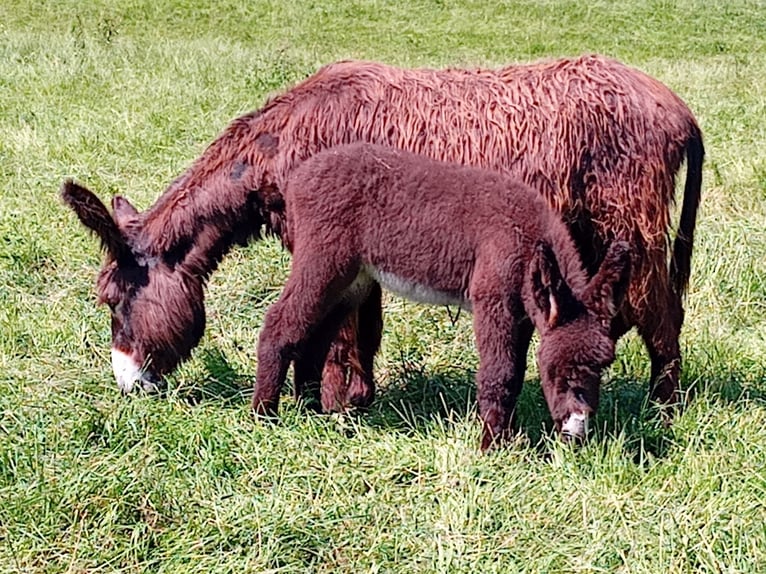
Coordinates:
(607,288)
(94,215)
(553,296)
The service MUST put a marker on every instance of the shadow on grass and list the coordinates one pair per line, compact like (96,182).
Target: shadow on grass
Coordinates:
(220,383)
(412,399)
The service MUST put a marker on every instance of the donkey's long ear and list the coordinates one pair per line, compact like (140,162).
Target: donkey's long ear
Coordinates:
(94,215)
(553,296)
(123,210)
(607,288)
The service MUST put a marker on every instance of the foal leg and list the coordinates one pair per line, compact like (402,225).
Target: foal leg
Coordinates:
(339,361)
(348,371)
(309,383)
(502,339)
(288,324)
(525,331)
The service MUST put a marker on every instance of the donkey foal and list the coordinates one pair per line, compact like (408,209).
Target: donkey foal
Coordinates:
(442,233)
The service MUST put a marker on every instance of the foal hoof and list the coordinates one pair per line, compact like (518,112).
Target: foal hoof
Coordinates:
(491,440)
(265,410)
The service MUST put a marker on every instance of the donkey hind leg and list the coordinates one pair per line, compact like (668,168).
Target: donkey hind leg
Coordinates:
(309,363)
(659,324)
(287,326)
(337,363)
(369,329)
(502,340)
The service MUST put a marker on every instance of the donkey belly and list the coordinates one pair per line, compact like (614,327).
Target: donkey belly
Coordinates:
(415,291)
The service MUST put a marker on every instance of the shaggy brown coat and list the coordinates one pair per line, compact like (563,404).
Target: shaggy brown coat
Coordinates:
(444,233)
(602,143)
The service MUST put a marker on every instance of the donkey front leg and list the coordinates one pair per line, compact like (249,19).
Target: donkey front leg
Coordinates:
(274,355)
(347,378)
(369,330)
(502,340)
(308,365)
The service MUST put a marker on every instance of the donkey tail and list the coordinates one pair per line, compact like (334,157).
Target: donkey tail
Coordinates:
(681,260)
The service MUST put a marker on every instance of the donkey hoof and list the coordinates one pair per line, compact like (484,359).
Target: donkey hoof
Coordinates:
(360,395)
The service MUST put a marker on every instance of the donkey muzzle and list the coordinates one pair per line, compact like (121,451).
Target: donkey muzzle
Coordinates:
(130,375)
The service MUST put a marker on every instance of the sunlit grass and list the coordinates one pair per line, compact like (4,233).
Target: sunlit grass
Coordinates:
(123,95)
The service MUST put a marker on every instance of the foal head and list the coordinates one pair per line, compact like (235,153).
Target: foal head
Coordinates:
(157,307)
(575,340)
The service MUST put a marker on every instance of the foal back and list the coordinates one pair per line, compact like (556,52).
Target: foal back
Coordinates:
(415,225)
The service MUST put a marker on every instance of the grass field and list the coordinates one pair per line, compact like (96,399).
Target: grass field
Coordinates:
(123,95)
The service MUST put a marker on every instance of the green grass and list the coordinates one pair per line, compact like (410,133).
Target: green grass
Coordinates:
(123,96)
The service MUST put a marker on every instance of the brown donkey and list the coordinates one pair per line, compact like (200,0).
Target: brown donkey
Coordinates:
(600,141)
(361,214)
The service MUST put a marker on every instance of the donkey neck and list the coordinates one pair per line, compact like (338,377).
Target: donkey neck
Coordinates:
(218,203)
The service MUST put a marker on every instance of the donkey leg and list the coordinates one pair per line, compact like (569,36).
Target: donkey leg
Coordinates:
(276,345)
(308,366)
(660,327)
(348,371)
(502,339)
(524,337)
(338,362)
(369,323)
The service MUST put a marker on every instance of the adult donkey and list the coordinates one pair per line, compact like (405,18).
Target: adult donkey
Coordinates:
(602,142)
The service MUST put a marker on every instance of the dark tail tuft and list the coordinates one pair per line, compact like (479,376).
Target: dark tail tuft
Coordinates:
(681,261)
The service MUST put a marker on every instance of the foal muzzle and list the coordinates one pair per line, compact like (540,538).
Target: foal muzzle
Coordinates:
(575,427)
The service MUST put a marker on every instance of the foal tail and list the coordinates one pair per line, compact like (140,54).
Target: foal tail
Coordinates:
(681,260)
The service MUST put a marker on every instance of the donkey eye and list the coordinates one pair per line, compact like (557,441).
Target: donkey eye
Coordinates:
(115,307)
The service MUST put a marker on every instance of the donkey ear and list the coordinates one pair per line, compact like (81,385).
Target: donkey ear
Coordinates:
(94,215)
(552,295)
(607,288)
(122,209)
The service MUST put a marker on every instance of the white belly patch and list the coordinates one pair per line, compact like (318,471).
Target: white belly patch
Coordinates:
(414,291)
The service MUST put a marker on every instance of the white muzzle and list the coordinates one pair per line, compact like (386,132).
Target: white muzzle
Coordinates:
(576,426)
(129,373)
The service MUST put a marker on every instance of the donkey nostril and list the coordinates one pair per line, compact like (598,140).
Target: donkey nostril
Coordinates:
(152,384)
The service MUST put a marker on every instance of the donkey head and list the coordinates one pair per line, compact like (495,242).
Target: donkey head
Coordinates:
(575,342)
(157,308)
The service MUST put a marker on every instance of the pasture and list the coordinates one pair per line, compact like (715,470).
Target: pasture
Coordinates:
(123,96)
